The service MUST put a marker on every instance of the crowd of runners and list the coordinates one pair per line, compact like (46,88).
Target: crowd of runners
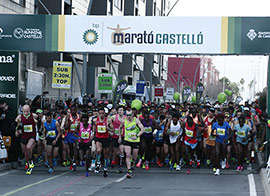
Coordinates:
(170,135)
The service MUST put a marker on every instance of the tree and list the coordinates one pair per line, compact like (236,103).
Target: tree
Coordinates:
(242,82)
(262,99)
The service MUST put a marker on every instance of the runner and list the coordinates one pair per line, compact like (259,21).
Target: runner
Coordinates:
(147,139)
(133,131)
(223,134)
(26,126)
(85,136)
(243,133)
(71,122)
(102,140)
(118,149)
(52,131)
(192,134)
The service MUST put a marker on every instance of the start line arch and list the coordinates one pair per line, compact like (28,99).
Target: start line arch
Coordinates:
(133,34)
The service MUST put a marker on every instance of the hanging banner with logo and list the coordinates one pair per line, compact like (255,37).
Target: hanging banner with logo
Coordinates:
(9,81)
(61,77)
(199,92)
(118,91)
(169,93)
(238,99)
(105,82)
(159,91)
(140,88)
(186,92)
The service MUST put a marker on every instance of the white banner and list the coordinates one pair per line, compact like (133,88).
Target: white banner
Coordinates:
(117,34)
(169,93)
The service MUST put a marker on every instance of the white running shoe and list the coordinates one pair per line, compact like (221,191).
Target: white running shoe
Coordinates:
(178,168)
(223,164)
(92,167)
(217,173)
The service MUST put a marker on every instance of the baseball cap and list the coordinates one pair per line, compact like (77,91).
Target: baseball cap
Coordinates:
(39,111)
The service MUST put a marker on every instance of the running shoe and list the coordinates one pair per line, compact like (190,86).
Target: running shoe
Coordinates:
(119,170)
(223,164)
(178,168)
(74,166)
(29,171)
(227,165)
(86,174)
(26,166)
(214,170)
(31,165)
(171,167)
(188,172)
(167,161)
(129,174)
(217,173)
(70,168)
(208,162)
(198,164)
(194,164)
(105,174)
(160,164)
(92,167)
(175,165)
(143,166)
(97,168)
(242,168)
(139,163)
(238,168)
(47,164)
(54,162)
(50,170)
(146,166)
(68,163)
(39,159)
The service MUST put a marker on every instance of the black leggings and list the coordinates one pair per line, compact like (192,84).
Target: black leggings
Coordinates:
(220,153)
(146,147)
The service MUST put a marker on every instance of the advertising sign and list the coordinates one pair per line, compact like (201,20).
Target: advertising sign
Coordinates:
(140,88)
(118,91)
(61,77)
(105,82)
(169,93)
(9,81)
(199,91)
(186,93)
(159,91)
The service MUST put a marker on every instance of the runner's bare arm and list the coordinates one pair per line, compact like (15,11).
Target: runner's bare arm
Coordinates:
(77,129)
(167,127)
(59,130)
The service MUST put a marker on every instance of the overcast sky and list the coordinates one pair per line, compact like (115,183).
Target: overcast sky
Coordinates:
(233,67)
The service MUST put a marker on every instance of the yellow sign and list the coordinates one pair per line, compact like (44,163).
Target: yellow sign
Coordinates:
(61,77)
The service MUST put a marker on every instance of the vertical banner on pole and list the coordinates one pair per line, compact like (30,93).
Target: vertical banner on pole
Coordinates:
(199,92)
(105,82)
(140,88)
(9,81)
(186,93)
(169,93)
(159,92)
(61,77)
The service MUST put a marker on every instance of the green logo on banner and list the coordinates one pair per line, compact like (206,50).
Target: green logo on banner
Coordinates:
(90,37)
(105,83)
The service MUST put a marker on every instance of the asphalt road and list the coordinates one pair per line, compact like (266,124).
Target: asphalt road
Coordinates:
(156,181)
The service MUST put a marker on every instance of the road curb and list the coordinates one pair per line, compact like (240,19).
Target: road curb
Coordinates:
(11,165)
(266,186)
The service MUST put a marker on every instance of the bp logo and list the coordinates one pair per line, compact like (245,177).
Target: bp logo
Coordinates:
(90,37)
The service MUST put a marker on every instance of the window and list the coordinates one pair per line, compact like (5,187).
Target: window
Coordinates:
(129,81)
(118,4)
(20,2)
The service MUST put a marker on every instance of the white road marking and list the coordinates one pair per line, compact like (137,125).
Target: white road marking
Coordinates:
(121,179)
(252,186)
(6,173)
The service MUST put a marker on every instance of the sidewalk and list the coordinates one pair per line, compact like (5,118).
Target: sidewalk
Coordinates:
(263,176)
(10,165)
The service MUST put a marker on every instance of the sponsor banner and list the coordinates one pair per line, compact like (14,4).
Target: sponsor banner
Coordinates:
(118,91)
(199,92)
(140,88)
(9,81)
(156,34)
(169,93)
(159,91)
(105,82)
(61,77)
(186,92)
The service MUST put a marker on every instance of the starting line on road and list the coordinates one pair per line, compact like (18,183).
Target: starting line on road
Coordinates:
(36,183)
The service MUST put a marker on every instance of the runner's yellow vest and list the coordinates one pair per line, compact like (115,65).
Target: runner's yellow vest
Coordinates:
(131,130)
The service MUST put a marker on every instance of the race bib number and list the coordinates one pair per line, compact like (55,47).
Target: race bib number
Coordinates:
(241,133)
(116,132)
(148,129)
(28,128)
(160,136)
(73,127)
(132,136)
(51,134)
(189,133)
(101,129)
(85,135)
(212,137)
(220,131)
